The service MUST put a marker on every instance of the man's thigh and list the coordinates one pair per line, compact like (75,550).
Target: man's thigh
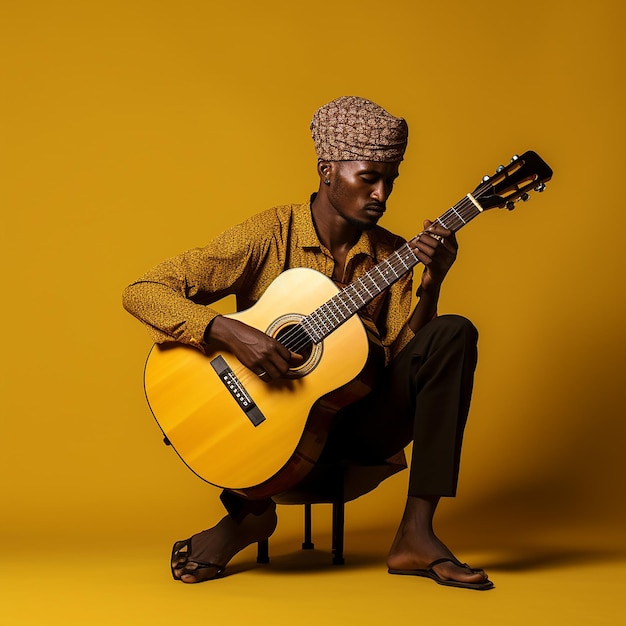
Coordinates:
(382,423)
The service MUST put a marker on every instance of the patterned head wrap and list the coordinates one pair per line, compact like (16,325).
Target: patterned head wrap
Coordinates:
(354,129)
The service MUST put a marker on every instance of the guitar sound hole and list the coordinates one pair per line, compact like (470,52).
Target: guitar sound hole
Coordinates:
(289,331)
(296,340)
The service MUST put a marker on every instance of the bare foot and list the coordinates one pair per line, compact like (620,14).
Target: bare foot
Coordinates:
(205,555)
(416,546)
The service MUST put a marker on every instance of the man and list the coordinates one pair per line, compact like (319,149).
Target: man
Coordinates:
(423,393)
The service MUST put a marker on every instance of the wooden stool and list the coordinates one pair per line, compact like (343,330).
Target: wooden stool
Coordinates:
(334,484)
(307,544)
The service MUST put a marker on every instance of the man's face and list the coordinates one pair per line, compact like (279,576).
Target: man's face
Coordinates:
(359,190)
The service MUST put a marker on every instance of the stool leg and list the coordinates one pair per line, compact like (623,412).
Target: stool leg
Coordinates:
(307,544)
(338,528)
(263,551)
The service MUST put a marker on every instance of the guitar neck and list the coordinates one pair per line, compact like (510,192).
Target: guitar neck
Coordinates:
(352,298)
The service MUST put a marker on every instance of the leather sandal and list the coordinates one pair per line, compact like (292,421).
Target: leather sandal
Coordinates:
(181,552)
(429,572)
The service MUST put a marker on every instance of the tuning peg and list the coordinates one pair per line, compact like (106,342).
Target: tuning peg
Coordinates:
(540,187)
(514,158)
(510,205)
(524,197)
(486,178)
(499,168)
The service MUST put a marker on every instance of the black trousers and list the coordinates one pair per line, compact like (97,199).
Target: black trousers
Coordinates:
(423,396)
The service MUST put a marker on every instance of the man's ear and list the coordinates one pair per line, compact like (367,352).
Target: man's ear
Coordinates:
(325,170)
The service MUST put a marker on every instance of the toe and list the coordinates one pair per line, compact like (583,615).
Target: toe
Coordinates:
(460,573)
(180,554)
(195,573)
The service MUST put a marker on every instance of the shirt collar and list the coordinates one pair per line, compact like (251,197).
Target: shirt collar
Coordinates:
(307,235)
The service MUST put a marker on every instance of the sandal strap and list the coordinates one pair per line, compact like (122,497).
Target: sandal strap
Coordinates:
(447,560)
(205,564)
(202,565)
(455,562)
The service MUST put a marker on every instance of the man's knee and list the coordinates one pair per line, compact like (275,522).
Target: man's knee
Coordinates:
(455,326)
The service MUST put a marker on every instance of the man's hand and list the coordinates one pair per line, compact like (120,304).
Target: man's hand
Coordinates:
(259,352)
(436,247)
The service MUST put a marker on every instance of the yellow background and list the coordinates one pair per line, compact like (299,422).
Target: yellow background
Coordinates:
(133,130)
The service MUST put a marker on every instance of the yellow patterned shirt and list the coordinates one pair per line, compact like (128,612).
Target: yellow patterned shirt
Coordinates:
(173,299)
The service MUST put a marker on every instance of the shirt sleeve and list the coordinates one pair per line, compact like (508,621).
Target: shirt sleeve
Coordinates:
(173,298)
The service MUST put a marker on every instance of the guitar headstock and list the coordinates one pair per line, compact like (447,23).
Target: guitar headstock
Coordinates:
(513,182)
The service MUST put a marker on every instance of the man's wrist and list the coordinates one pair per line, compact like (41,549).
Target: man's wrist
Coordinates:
(431,292)
(208,329)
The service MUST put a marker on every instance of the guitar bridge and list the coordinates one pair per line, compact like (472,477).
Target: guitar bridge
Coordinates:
(237,390)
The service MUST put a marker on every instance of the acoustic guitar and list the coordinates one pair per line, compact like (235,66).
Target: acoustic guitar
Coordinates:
(259,439)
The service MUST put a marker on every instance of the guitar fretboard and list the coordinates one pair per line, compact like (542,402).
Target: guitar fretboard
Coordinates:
(352,298)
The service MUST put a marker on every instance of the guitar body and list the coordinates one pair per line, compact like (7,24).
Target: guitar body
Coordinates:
(263,451)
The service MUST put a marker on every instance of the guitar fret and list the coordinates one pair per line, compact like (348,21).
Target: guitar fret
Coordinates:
(352,291)
(453,220)
(440,220)
(335,310)
(406,267)
(327,315)
(348,303)
(329,307)
(368,288)
(458,215)
(384,275)
(338,300)
(316,330)
(377,269)
(362,282)
(316,335)
(335,320)
(313,332)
